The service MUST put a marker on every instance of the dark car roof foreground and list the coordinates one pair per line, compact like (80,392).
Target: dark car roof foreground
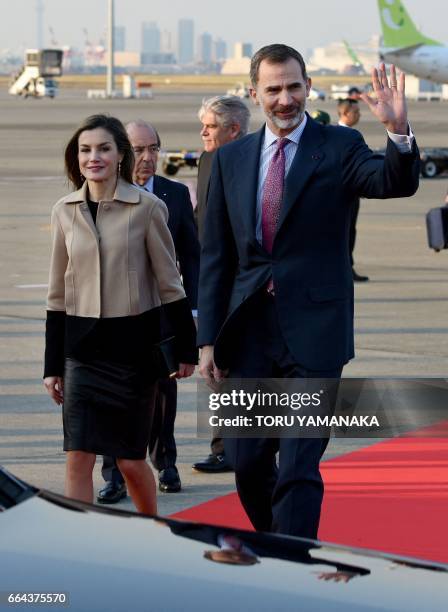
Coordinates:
(118,561)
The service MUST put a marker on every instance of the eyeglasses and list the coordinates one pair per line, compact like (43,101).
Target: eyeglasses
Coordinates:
(151,148)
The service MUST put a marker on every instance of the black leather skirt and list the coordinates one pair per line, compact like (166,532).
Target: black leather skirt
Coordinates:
(108,408)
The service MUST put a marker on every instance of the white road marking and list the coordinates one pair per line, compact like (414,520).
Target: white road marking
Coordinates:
(31,286)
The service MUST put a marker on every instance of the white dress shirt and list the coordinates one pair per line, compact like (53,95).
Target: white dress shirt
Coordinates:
(403,142)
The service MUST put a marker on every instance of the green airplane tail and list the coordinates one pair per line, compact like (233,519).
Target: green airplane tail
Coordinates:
(355,59)
(398,28)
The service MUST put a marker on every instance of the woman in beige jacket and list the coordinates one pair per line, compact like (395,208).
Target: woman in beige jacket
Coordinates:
(112,270)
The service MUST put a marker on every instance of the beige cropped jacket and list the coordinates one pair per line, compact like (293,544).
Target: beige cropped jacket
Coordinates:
(123,266)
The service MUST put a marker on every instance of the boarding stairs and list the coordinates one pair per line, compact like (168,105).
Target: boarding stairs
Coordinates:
(21,83)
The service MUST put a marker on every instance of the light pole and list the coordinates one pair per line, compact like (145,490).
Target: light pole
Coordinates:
(110,50)
(39,24)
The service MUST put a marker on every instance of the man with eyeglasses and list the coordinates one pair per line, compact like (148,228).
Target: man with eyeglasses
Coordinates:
(145,142)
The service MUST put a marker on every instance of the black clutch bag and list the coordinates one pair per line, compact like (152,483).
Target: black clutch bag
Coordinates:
(165,360)
(437,228)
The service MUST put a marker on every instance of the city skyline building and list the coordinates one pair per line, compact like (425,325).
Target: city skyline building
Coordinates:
(167,42)
(205,48)
(247,49)
(185,41)
(119,38)
(150,48)
(219,50)
(150,37)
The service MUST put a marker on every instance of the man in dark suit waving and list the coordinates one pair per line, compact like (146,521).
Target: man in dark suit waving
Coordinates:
(276,287)
(145,142)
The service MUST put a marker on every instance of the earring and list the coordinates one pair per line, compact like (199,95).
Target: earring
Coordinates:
(119,168)
(83,178)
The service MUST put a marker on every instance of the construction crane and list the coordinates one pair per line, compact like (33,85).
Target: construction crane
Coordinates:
(93,54)
(53,41)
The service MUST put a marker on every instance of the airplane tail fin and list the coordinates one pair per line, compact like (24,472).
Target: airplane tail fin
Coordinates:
(355,59)
(398,28)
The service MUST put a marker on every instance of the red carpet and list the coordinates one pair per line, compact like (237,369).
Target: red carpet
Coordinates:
(391,496)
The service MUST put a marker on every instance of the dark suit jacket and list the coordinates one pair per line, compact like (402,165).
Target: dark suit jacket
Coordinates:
(183,230)
(204,172)
(310,262)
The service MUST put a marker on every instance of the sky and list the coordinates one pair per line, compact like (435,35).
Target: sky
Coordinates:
(301,24)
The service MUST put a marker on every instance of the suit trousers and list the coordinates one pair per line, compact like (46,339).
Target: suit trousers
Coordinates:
(217,446)
(284,497)
(162,445)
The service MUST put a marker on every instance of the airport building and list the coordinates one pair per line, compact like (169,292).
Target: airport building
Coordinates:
(334,57)
(126,59)
(239,63)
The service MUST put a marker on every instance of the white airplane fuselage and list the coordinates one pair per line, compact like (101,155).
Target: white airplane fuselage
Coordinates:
(425,61)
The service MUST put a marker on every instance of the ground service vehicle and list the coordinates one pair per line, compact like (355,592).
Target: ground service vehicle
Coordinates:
(433,161)
(36,77)
(173,160)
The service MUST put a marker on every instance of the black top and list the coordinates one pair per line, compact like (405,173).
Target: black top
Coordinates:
(93,207)
(126,340)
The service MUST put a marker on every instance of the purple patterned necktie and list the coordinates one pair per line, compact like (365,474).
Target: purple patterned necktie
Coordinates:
(273,194)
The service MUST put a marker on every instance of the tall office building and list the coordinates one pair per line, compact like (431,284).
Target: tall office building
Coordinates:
(167,42)
(247,50)
(205,48)
(220,50)
(242,50)
(185,41)
(119,38)
(150,42)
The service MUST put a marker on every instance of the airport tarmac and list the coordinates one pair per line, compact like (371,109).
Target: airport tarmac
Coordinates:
(401,314)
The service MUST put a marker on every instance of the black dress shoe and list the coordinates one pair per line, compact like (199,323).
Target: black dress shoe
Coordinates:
(112,493)
(213,464)
(358,278)
(169,481)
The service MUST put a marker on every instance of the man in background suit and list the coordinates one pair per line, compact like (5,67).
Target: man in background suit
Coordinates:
(349,115)
(145,142)
(224,119)
(276,287)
